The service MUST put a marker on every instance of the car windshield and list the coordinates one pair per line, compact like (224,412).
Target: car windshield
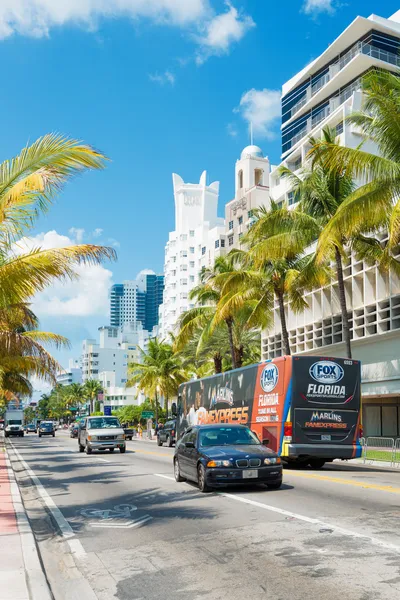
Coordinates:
(228,436)
(46,425)
(102,423)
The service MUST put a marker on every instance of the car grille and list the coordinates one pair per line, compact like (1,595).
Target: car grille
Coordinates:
(243,463)
(107,437)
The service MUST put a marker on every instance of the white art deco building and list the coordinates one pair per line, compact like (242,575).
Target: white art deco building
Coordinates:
(192,245)
(324,93)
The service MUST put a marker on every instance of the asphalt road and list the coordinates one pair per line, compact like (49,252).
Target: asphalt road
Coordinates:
(129,532)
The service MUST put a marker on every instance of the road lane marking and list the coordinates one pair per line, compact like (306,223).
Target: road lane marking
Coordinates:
(104,460)
(304,518)
(129,525)
(371,486)
(154,453)
(66,531)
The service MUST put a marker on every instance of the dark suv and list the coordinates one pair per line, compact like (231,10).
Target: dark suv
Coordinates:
(167,434)
(46,428)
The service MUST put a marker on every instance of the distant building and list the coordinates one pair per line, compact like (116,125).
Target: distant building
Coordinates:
(188,248)
(71,375)
(137,301)
(107,361)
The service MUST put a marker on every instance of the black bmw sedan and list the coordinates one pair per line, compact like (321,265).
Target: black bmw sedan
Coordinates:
(220,455)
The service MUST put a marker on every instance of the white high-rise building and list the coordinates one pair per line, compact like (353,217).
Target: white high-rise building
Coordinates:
(191,246)
(322,94)
(251,191)
(73,374)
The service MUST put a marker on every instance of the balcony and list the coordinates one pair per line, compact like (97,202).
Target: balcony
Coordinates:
(358,48)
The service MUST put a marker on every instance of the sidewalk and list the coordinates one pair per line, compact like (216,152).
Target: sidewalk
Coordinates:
(21,574)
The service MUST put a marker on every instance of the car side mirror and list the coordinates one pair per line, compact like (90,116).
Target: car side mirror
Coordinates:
(83,427)
(265,442)
(189,444)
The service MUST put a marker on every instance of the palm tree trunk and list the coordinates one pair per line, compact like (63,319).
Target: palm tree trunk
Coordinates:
(217,358)
(166,406)
(282,316)
(229,324)
(156,407)
(343,304)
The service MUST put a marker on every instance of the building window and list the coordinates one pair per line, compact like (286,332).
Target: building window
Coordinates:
(183,237)
(222,243)
(240,179)
(249,214)
(339,128)
(191,233)
(230,240)
(191,278)
(297,164)
(280,204)
(191,249)
(258,176)
(240,236)
(192,264)
(217,243)
(240,220)
(291,198)
(203,250)
(230,224)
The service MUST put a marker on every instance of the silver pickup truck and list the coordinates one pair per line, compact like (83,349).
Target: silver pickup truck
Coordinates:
(101,433)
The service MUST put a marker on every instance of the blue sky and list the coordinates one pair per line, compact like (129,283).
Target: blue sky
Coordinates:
(160,86)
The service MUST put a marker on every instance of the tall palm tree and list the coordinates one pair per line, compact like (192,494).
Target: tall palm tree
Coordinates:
(275,266)
(75,394)
(321,192)
(91,389)
(28,184)
(160,372)
(375,205)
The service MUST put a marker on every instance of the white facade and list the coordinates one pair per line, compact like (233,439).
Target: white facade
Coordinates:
(108,360)
(251,191)
(73,374)
(188,248)
(332,81)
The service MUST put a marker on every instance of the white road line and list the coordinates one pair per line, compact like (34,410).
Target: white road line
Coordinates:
(165,476)
(304,518)
(130,525)
(104,460)
(65,528)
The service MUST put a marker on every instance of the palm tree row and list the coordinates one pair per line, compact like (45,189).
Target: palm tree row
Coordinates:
(28,184)
(345,198)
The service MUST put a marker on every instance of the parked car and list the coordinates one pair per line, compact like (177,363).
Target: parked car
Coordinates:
(128,431)
(74,430)
(30,428)
(220,455)
(47,428)
(101,433)
(167,434)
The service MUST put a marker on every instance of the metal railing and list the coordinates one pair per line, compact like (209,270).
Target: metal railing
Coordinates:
(396,453)
(379,449)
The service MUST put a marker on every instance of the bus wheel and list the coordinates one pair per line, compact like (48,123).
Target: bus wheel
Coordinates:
(316,463)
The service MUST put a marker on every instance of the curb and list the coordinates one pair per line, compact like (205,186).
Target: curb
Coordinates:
(37,584)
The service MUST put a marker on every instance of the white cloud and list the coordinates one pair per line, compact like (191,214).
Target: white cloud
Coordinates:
(83,298)
(77,234)
(221,32)
(37,17)
(312,7)
(231,130)
(113,243)
(262,108)
(166,77)
(97,232)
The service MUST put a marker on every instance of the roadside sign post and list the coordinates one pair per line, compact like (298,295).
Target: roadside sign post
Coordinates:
(147,414)
(107,411)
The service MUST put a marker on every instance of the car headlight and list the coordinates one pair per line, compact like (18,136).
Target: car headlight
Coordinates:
(219,463)
(121,436)
(272,461)
(92,438)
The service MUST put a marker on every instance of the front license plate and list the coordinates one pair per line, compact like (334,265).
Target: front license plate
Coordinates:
(326,438)
(251,474)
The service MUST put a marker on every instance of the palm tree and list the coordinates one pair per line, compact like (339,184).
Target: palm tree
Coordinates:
(159,373)
(75,394)
(322,191)
(375,205)
(91,389)
(28,184)
(205,316)
(274,267)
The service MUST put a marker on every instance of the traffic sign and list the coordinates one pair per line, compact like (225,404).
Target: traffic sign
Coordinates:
(147,414)
(107,411)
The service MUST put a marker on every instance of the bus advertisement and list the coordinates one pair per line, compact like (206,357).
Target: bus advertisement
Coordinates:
(306,408)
